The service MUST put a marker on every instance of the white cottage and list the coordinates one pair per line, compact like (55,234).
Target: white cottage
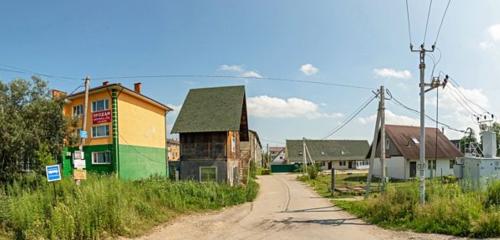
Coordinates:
(402,153)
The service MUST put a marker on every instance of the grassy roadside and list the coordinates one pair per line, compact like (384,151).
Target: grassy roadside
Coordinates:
(104,206)
(448,210)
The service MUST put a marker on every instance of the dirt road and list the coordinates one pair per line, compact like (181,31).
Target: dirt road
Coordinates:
(284,209)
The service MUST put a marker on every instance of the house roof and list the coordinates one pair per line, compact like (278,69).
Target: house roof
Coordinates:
(256,136)
(120,87)
(216,109)
(406,140)
(327,150)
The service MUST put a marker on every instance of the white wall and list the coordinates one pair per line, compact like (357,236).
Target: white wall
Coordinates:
(395,167)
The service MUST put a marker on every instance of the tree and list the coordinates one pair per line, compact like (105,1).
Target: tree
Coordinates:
(468,141)
(32,127)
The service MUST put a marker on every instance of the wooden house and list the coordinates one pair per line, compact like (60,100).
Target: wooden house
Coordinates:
(211,124)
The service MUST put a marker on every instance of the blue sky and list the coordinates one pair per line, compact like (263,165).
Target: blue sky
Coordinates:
(354,42)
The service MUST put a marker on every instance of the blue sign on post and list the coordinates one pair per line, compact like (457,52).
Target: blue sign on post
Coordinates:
(83,134)
(53,173)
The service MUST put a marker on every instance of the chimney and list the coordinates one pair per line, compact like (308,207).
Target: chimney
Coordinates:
(105,83)
(56,94)
(137,87)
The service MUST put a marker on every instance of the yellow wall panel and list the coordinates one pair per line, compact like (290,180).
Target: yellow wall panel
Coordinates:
(140,123)
(68,111)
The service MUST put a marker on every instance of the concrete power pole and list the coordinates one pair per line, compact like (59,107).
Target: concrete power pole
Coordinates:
(380,112)
(382,137)
(422,163)
(85,108)
(304,154)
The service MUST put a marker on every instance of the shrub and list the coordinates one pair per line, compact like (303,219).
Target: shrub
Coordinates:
(493,195)
(104,206)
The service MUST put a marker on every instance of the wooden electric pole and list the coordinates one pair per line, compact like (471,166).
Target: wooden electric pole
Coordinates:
(379,127)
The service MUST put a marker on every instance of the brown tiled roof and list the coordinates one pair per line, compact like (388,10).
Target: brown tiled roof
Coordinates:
(402,139)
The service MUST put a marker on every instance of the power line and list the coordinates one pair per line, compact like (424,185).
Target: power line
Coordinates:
(235,77)
(442,20)
(456,86)
(409,23)
(395,100)
(427,22)
(9,68)
(351,116)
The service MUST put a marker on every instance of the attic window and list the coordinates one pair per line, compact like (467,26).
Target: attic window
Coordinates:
(322,153)
(300,153)
(415,140)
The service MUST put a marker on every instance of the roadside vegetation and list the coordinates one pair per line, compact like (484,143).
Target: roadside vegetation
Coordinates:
(104,206)
(448,209)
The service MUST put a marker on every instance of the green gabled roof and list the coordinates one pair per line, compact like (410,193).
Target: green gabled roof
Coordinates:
(216,109)
(327,150)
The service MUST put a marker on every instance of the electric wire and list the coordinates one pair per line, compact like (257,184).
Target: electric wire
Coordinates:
(10,68)
(351,116)
(409,23)
(236,77)
(427,22)
(442,20)
(399,103)
(457,86)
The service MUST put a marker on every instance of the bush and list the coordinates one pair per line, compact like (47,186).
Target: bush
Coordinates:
(493,195)
(104,206)
(448,210)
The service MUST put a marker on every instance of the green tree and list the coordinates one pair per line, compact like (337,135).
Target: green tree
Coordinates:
(467,140)
(32,127)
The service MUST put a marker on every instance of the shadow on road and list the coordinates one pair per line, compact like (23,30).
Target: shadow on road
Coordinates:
(332,222)
(318,209)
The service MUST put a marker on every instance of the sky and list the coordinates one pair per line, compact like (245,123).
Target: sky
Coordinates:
(362,43)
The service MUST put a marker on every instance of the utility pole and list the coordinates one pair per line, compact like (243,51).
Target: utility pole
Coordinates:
(374,146)
(84,124)
(382,137)
(434,84)
(304,154)
(85,108)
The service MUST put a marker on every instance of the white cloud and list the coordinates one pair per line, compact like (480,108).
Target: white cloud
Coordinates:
(251,74)
(392,73)
(274,107)
(493,37)
(241,70)
(308,69)
(231,68)
(390,118)
(494,32)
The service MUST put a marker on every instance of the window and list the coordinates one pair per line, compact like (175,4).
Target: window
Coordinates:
(100,131)
(100,105)
(452,163)
(431,164)
(387,144)
(208,174)
(342,163)
(415,140)
(77,110)
(101,157)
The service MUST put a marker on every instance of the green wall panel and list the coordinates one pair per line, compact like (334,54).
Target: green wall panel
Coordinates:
(138,162)
(99,168)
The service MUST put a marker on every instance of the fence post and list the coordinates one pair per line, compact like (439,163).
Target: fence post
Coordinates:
(333,181)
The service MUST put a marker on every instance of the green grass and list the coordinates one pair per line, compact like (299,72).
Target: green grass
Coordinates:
(104,206)
(448,209)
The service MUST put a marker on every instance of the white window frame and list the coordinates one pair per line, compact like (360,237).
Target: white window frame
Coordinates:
(206,167)
(94,105)
(105,136)
(101,163)
(76,106)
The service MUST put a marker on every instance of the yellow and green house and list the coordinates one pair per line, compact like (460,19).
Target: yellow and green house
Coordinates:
(126,132)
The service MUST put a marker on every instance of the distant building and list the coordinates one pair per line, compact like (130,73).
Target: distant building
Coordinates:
(211,124)
(125,132)
(339,154)
(173,148)
(277,155)
(403,153)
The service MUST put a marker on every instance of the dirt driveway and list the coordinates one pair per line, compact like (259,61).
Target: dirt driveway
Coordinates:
(284,209)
